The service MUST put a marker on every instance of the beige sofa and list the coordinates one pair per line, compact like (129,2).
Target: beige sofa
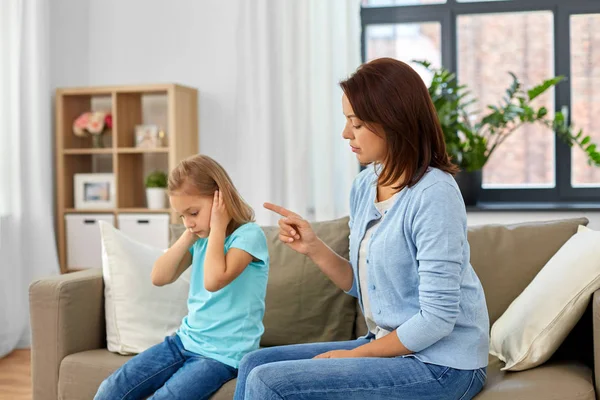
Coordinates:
(69,356)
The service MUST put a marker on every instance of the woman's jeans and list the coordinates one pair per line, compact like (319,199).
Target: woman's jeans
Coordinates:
(289,372)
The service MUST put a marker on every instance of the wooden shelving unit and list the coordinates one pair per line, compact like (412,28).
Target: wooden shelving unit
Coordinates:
(120,156)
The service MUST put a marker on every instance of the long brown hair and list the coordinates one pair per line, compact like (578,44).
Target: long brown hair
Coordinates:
(389,96)
(200,175)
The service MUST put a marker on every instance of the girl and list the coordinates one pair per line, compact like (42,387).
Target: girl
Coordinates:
(229,259)
(409,263)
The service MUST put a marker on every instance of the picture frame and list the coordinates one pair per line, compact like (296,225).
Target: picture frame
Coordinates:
(146,136)
(94,191)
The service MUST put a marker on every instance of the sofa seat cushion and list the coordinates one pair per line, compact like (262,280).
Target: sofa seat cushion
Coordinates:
(82,373)
(550,381)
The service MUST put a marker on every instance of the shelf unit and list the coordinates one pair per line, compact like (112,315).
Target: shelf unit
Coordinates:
(173,107)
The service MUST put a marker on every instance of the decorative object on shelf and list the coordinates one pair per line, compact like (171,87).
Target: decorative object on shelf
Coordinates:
(162,138)
(93,123)
(147,136)
(156,194)
(94,191)
(471,142)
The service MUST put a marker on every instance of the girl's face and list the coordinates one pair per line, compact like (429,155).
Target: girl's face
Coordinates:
(194,212)
(366,144)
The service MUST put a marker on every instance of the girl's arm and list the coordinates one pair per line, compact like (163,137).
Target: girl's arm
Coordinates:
(221,269)
(174,261)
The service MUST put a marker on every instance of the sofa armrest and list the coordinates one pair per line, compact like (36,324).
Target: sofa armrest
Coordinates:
(67,317)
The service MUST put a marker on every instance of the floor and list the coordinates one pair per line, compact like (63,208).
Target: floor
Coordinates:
(15,376)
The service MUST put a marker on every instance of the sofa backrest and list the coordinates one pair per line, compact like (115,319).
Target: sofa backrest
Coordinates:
(507,257)
(302,304)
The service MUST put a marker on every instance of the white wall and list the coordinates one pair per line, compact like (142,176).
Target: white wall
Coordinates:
(116,42)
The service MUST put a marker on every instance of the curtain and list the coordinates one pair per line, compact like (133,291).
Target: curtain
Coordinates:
(27,242)
(291,56)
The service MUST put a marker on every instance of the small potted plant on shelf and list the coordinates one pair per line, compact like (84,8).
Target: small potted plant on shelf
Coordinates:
(94,124)
(156,185)
(471,140)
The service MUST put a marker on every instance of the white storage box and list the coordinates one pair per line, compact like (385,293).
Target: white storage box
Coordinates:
(84,247)
(150,229)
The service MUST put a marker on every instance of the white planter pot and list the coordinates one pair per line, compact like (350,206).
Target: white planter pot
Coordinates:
(156,198)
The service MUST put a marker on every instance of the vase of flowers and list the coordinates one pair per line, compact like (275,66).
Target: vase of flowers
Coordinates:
(94,124)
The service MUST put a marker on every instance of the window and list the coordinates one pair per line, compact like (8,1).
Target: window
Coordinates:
(482,40)
(406,42)
(489,46)
(585,92)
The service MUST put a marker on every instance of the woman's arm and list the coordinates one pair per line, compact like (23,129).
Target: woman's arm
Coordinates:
(388,346)
(298,235)
(174,261)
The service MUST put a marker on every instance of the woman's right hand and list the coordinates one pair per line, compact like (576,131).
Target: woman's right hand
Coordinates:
(295,231)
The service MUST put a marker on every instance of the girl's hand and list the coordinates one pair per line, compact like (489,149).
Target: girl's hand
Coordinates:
(295,231)
(338,354)
(219,217)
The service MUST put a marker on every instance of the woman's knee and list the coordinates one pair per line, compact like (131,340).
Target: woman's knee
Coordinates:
(254,359)
(263,383)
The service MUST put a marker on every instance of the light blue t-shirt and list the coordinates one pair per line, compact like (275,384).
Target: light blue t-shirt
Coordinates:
(226,324)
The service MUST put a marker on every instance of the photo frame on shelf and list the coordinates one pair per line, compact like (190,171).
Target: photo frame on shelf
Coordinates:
(94,191)
(147,136)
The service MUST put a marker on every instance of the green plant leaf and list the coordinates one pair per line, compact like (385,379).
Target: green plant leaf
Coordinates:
(156,179)
(547,84)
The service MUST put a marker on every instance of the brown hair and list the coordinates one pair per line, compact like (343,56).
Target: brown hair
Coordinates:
(387,94)
(200,175)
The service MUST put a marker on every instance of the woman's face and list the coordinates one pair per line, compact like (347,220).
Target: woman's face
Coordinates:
(368,146)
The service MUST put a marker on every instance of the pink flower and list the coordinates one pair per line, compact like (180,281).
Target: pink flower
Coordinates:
(108,121)
(95,124)
(80,124)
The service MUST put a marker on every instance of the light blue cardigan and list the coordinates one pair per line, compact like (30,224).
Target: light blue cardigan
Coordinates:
(420,280)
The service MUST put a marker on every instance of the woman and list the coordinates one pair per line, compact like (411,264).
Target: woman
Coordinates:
(409,263)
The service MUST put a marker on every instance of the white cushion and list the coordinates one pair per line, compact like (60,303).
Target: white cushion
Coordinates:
(138,314)
(537,322)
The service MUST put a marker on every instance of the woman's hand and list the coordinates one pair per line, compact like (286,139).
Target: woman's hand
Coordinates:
(295,231)
(338,354)
(219,217)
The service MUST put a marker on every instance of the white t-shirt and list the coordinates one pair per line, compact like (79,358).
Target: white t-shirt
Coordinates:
(382,206)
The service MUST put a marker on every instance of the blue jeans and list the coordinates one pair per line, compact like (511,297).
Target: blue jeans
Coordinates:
(169,371)
(289,372)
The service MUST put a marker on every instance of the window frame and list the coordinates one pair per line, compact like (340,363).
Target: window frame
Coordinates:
(447,14)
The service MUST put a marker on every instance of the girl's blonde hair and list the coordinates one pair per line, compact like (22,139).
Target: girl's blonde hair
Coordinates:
(200,175)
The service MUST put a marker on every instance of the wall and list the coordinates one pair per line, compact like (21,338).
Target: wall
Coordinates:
(114,42)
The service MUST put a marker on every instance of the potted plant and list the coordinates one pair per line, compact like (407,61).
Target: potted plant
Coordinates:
(156,185)
(470,141)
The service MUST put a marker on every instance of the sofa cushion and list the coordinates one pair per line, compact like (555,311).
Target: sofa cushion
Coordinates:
(138,314)
(82,373)
(554,301)
(302,304)
(551,381)
(508,257)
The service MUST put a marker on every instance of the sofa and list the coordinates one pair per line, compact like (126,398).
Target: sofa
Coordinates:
(70,359)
